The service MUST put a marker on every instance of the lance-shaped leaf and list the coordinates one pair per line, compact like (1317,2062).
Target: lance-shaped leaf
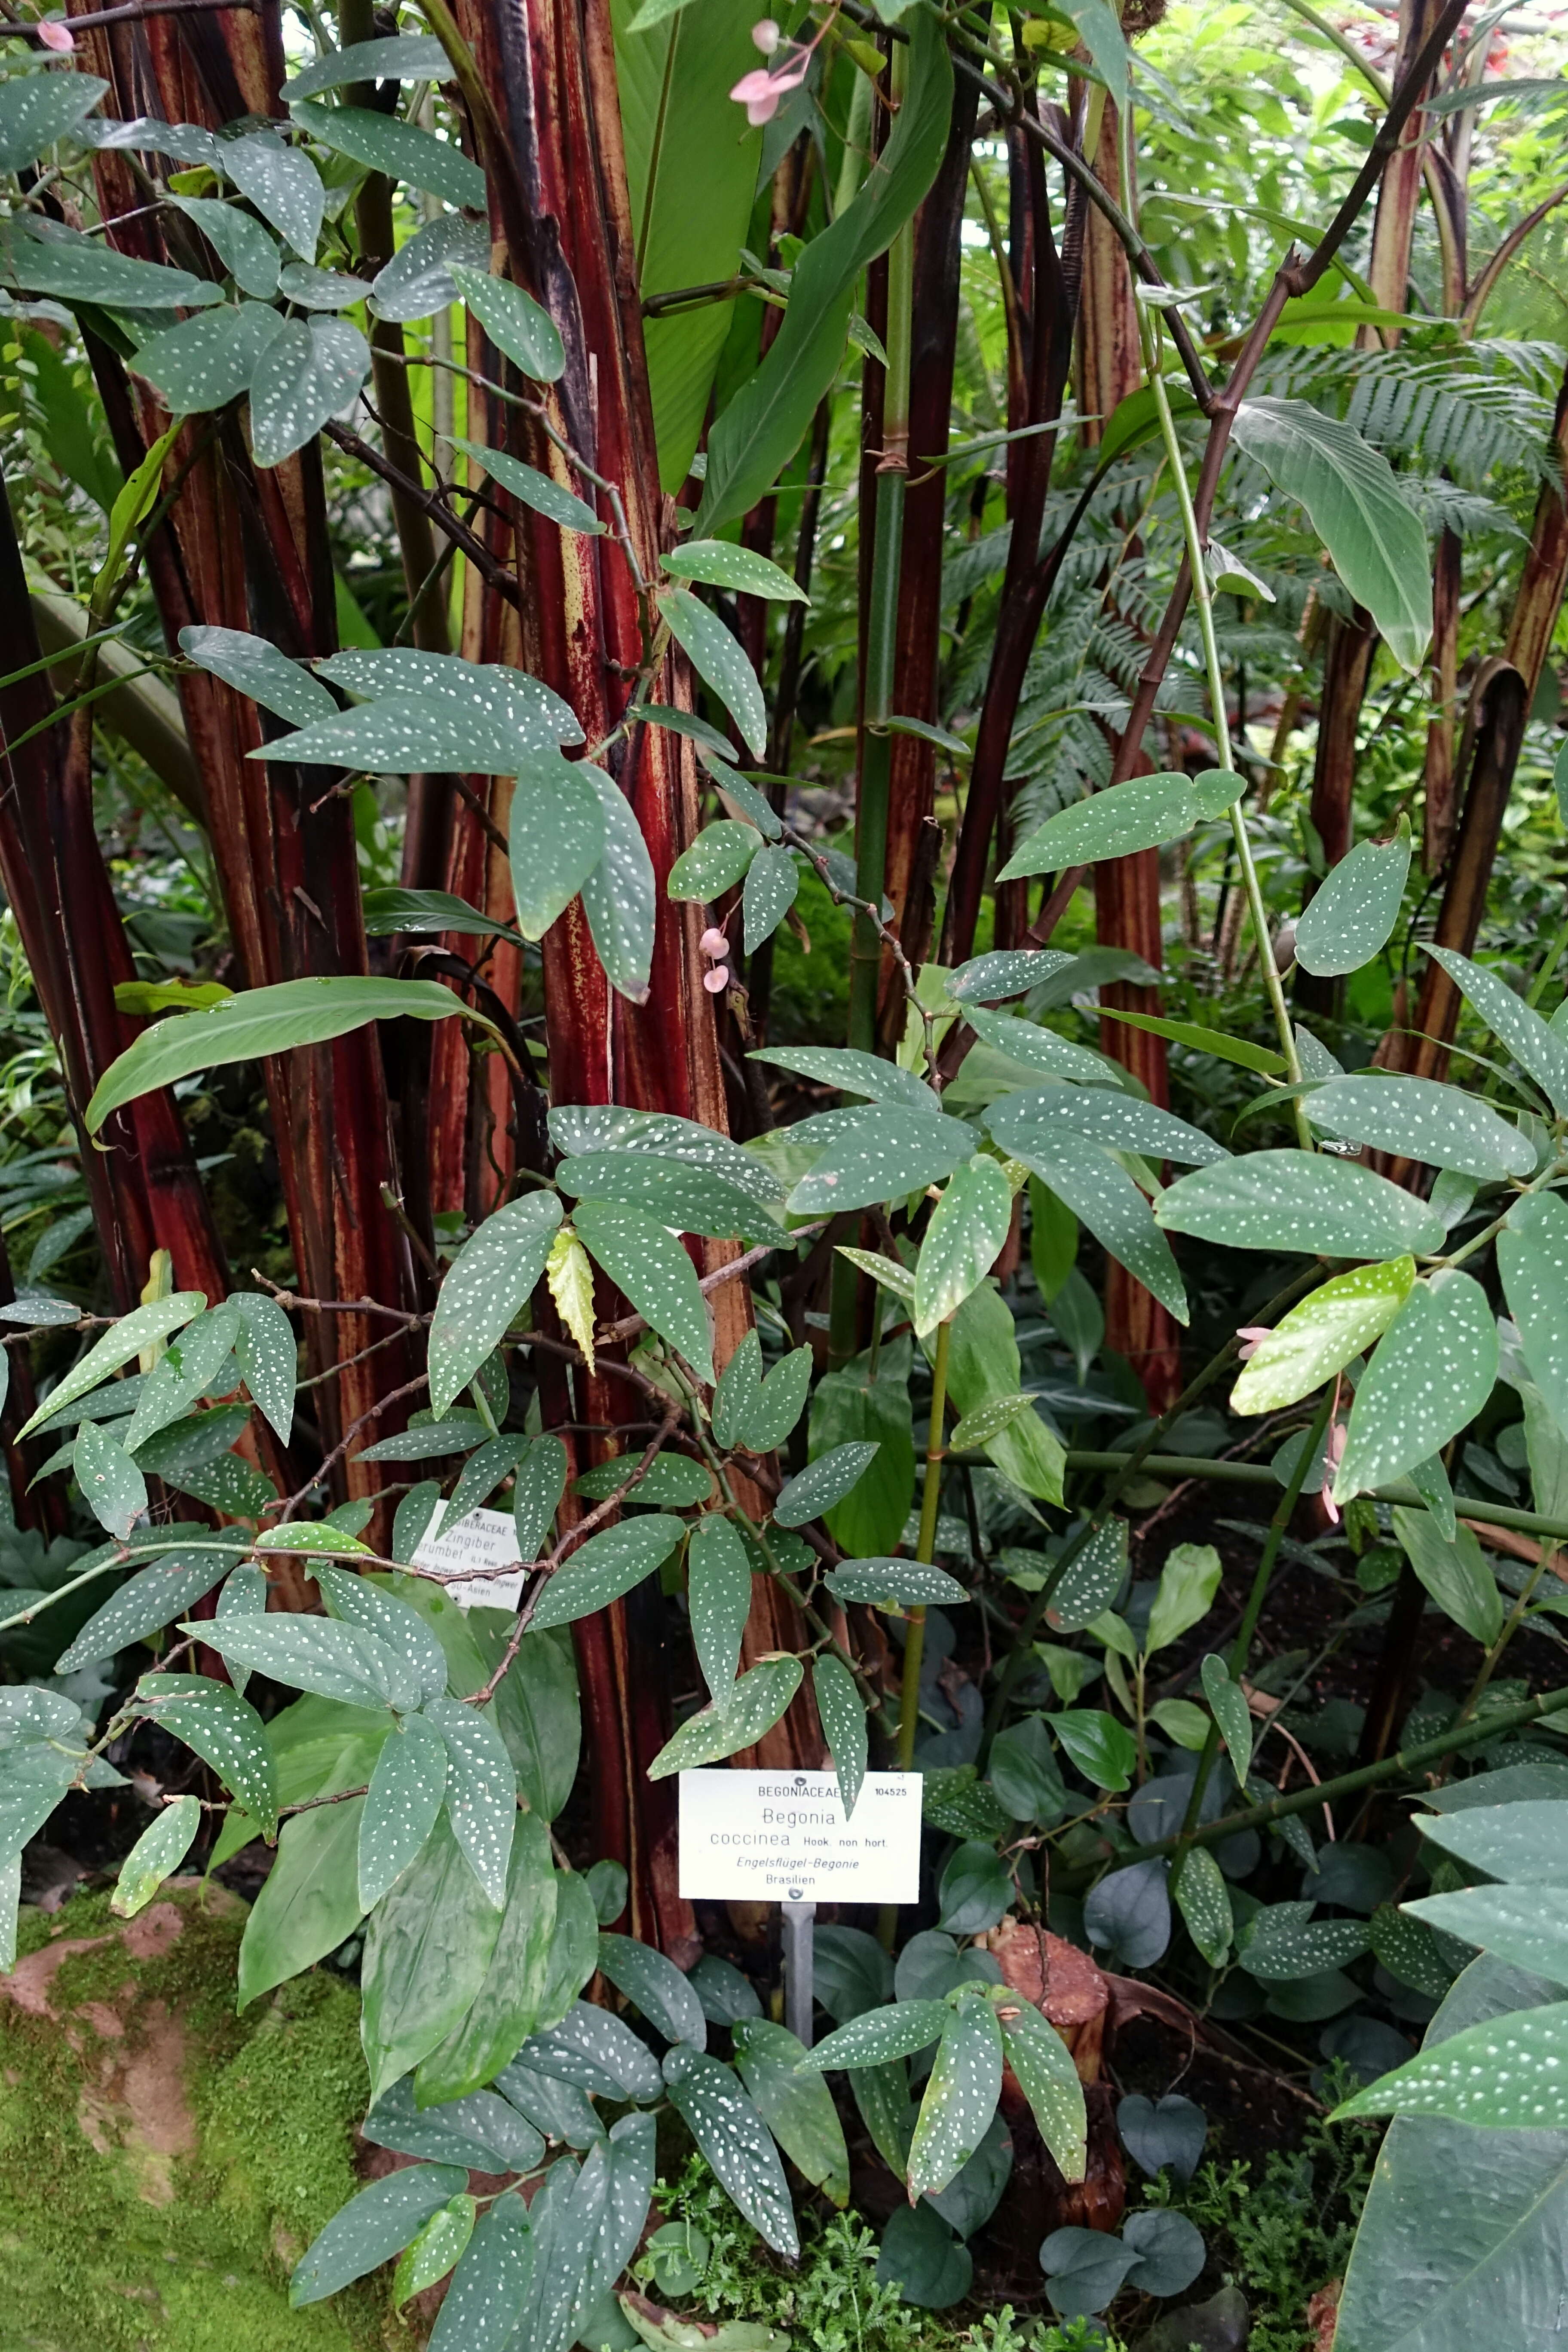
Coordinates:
(1532,1259)
(268,1355)
(963,1240)
(427,1951)
(649,1265)
(880,2035)
(418,281)
(112,1485)
(599,2053)
(619,894)
(852,1072)
(752,1707)
(371,2228)
(960,2097)
(1141,813)
(1297,1200)
(141,1328)
(1521,1841)
(796,2107)
(210,360)
(556,838)
(514,323)
(481,1791)
(1006,971)
(606,1567)
(669,1478)
(772,886)
(822,1482)
(737,1387)
(1043,2065)
(37,108)
(1431,1373)
(1525,1926)
(485,1290)
(1110,1118)
(656,1986)
(1534,1043)
(719,659)
(305,373)
(577,1128)
(838,1703)
(155,1596)
(719,1592)
(481,2308)
(314,1653)
(45,258)
(399,149)
(1231,1712)
(156,1855)
(724,564)
(1318,1337)
(248,1028)
(1205,1904)
(434,2249)
(771,1412)
(281,183)
(358,1601)
(1091,1581)
(715,862)
(1101,1195)
(1422,1120)
(565,2216)
(225,1732)
(242,243)
(629,2156)
(1037,1048)
(891,1583)
(760,429)
(516,1991)
(507,697)
(1353,913)
(1375,539)
(1283,1943)
(405,57)
(1454,1573)
(401,1807)
(1509,2074)
(716,2110)
(880,1155)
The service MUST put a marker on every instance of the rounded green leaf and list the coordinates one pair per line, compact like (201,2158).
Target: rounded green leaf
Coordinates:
(37,108)
(401,1807)
(1353,913)
(651,1267)
(1006,971)
(670,1479)
(281,183)
(619,896)
(112,1485)
(556,837)
(434,2250)
(771,884)
(417,281)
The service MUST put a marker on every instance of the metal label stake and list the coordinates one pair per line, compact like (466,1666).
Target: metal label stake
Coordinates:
(798,1918)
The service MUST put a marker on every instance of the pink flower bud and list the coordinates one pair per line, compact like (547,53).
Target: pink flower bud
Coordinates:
(1254,1333)
(766,36)
(717,981)
(713,943)
(56,36)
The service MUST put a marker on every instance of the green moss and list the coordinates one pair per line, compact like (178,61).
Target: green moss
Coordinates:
(164,2162)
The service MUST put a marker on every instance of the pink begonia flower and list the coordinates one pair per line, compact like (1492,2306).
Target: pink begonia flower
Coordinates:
(713,943)
(1254,1333)
(56,36)
(760,92)
(766,36)
(1333,1454)
(716,980)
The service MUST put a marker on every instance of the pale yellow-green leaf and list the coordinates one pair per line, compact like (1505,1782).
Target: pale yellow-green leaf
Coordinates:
(569,1275)
(1319,1337)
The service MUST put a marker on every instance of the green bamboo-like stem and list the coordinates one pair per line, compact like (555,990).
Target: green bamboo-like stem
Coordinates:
(1253,1474)
(1241,1647)
(925,1549)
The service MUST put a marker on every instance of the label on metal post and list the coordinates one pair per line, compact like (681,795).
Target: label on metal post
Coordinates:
(781,1837)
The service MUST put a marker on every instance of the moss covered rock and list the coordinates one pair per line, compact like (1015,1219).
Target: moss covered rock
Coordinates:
(164,2162)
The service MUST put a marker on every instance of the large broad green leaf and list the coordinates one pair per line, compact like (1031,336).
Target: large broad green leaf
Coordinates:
(1103,1196)
(1143,813)
(537,1708)
(960,2097)
(1507,2075)
(719,1592)
(306,372)
(373,2227)
(608,1566)
(263,1021)
(315,1654)
(37,108)
(983,1364)
(687,1199)
(961,1241)
(1184,1594)
(399,149)
(556,838)
(486,1288)
(281,183)
(1283,1943)
(717,658)
(1110,1117)
(1459,2242)
(1526,1926)
(1454,1573)
(309,1902)
(210,360)
(796,2106)
(427,1950)
(1375,539)
(511,1999)
(691,175)
(1533,1043)
(644,1260)
(761,429)
(1318,1337)
(1299,1200)
(1518,1840)
(1355,911)
(893,1583)
(1422,1120)
(1532,1259)
(1433,1372)
(619,894)
(708,2097)
(45,258)
(881,1154)
(770,1412)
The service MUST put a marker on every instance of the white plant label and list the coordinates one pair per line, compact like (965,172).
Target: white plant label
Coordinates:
(485,1540)
(781,1837)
